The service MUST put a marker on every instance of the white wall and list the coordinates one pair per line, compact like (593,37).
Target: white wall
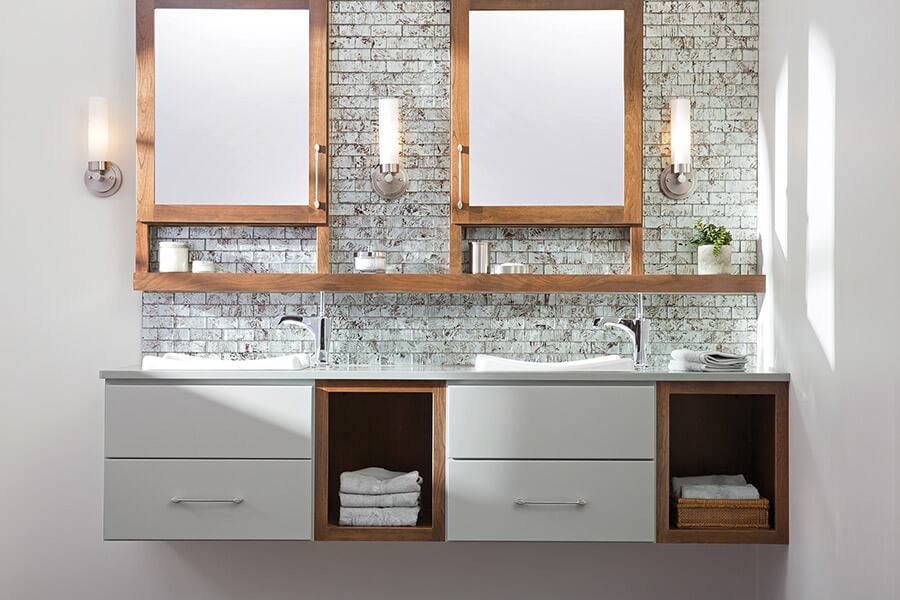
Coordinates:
(829,213)
(68,310)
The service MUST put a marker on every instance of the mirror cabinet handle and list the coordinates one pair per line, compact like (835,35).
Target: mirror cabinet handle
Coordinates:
(459,149)
(318,149)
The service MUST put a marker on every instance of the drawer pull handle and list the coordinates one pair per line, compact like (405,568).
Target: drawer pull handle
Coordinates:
(579,502)
(178,500)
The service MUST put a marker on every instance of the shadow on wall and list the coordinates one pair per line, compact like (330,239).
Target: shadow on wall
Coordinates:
(454,570)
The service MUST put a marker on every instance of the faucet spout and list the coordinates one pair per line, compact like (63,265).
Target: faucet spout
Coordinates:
(637,330)
(319,327)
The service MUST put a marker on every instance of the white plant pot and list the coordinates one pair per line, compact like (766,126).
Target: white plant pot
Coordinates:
(707,264)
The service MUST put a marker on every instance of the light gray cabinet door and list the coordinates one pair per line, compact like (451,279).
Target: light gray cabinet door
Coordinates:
(551,421)
(577,501)
(246,500)
(208,421)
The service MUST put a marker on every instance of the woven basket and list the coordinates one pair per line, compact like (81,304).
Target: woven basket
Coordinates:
(720,514)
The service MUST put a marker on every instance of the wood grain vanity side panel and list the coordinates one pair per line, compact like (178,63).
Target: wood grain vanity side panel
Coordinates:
(439,463)
(662,459)
(320,465)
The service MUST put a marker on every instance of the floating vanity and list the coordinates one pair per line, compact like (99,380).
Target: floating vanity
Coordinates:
(524,456)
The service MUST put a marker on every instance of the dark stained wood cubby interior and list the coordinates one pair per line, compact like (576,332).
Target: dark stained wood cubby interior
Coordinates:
(723,428)
(395,425)
(387,429)
(724,435)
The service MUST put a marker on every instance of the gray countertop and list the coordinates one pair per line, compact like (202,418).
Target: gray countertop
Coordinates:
(437,373)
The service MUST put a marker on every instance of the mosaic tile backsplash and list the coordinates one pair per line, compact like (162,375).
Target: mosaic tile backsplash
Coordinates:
(700,49)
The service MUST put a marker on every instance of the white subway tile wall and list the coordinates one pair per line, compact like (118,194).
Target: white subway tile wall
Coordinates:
(704,50)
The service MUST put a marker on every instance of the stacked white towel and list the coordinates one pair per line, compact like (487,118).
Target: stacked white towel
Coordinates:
(376,497)
(708,362)
(714,487)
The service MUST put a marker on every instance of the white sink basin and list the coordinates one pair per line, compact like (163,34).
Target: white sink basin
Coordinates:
(484,362)
(185,362)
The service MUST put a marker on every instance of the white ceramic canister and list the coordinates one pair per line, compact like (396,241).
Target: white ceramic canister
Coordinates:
(174,257)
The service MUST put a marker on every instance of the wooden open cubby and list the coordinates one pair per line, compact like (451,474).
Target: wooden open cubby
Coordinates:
(708,428)
(398,425)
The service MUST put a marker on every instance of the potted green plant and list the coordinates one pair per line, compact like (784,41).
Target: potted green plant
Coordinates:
(713,248)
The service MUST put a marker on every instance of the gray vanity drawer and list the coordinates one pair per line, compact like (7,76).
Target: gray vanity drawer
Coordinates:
(277,500)
(208,421)
(546,421)
(619,495)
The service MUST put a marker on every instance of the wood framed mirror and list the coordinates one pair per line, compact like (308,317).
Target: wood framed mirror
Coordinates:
(546,141)
(232,111)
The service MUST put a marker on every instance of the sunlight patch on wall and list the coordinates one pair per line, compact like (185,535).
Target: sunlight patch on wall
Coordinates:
(820,303)
(780,175)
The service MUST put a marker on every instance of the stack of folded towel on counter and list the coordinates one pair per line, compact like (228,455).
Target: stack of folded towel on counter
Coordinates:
(710,362)
(714,487)
(376,497)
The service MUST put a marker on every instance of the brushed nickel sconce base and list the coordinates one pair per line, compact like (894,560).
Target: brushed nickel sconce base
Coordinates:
(677,186)
(103,178)
(389,185)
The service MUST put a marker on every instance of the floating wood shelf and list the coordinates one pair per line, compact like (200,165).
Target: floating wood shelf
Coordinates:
(355,282)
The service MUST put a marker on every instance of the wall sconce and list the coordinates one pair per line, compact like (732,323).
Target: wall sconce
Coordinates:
(103,177)
(677,181)
(389,179)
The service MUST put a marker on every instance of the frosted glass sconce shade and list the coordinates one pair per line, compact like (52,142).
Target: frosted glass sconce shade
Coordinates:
(677,181)
(102,177)
(98,129)
(389,179)
(681,132)
(389,131)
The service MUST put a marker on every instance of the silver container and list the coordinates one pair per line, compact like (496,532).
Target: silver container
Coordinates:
(481,257)
(507,268)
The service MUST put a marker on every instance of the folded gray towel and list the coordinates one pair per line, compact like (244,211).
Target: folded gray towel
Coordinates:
(379,517)
(678,365)
(679,482)
(380,500)
(375,480)
(709,358)
(720,492)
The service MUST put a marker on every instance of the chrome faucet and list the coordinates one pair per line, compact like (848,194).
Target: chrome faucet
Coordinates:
(319,327)
(637,328)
